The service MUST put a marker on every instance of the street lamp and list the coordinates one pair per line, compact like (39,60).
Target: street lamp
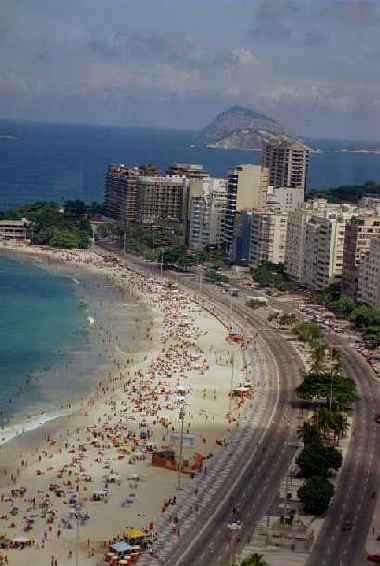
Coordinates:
(180,458)
(231,385)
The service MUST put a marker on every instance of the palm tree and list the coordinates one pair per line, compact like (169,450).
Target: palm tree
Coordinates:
(309,433)
(339,425)
(318,356)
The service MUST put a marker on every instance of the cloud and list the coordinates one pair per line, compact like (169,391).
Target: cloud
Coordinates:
(273,19)
(353,13)
(244,56)
(315,38)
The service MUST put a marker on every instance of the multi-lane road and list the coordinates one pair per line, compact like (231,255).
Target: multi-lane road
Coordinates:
(253,489)
(359,477)
(252,485)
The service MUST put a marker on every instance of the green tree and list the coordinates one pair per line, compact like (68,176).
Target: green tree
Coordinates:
(254,560)
(319,460)
(318,356)
(309,434)
(307,332)
(65,239)
(344,305)
(318,386)
(75,208)
(315,495)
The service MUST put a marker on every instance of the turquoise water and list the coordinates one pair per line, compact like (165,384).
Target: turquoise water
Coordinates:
(43,325)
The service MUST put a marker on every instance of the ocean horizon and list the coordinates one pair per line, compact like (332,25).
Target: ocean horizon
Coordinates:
(43,161)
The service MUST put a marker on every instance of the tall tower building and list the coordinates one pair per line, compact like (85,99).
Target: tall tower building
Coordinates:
(287,163)
(207,207)
(247,187)
(120,193)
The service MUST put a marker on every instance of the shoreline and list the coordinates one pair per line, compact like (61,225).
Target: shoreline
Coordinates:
(183,348)
(47,258)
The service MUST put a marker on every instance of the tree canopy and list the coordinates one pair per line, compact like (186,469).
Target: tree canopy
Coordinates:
(315,495)
(319,460)
(51,226)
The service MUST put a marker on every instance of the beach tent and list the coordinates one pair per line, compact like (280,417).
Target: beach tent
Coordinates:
(121,547)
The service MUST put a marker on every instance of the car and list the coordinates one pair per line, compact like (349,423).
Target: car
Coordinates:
(374,558)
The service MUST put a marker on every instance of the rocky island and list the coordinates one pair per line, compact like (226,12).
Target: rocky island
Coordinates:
(241,128)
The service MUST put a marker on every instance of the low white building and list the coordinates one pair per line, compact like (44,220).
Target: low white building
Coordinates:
(14,231)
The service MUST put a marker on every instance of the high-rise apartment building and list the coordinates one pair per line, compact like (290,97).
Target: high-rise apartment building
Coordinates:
(369,276)
(120,192)
(160,199)
(287,163)
(247,187)
(268,236)
(207,207)
(315,242)
(358,235)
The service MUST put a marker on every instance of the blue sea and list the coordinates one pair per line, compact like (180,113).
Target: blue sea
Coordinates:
(56,162)
(50,355)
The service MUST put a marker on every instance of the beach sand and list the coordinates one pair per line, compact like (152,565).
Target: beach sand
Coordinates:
(183,357)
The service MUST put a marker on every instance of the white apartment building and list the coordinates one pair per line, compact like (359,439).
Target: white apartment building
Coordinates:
(286,198)
(268,236)
(372,202)
(359,233)
(247,187)
(369,276)
(207,208)
(315,243)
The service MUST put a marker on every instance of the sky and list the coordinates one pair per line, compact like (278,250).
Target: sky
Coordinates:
(311,64)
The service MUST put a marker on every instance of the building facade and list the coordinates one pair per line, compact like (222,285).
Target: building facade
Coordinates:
(369,276)
(207,207)
(120,193)
(247,187)
(287,163)
(315,243)
(241,249)
(189,170)
(161,198)
(14,231)
(285,198)
(268,236)
(358,235)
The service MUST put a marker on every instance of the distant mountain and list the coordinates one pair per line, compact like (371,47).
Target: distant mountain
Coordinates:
(241,128)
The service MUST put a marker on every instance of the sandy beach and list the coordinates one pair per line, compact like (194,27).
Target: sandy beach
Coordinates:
(95,465)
